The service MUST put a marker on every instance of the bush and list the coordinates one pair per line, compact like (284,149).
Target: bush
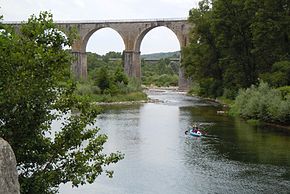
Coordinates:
(194,89)
(134,85)
(285,90)
(262,103)
(122,88)
(120,76)
(84,89)
(103,80)
(167,80)
(96,90)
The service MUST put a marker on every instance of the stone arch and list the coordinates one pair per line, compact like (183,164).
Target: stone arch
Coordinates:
(92,31)
(181,32)
(143,33)
(79,66)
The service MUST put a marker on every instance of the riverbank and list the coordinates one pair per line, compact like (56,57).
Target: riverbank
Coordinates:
(140,98)
(128,102)
(278,126)
(108,98)
(227,104)
(118,98)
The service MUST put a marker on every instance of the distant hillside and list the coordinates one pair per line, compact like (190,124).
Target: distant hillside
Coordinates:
(158,56)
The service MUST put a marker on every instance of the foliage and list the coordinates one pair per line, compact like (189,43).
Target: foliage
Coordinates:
(279,74)
(117,91)
(86,89)
(108,82)
(35,90)
(233,43)
(270,29)
(96,61)
(285,91)
(200,58)
(103,80)
(262,103)
(120,77)
(134,85)
(162,73)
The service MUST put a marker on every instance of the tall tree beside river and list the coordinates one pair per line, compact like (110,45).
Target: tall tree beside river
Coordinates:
(35,89)
(235,42)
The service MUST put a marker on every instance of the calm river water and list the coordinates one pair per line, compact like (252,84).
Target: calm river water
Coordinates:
(161,159)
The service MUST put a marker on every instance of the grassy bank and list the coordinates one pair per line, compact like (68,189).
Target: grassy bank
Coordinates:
(117,93)
(130,97)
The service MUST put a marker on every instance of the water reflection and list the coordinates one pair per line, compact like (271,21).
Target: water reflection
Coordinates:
(159,158)
(118,122)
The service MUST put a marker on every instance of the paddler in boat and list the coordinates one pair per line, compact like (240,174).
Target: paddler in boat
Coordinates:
(194,128)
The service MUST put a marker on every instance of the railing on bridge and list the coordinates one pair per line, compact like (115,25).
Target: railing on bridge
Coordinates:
(107,21)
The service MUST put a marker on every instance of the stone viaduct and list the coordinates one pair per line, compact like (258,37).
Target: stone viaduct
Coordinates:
(132,33)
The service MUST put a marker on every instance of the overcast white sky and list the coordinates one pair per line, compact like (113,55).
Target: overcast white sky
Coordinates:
(159,39)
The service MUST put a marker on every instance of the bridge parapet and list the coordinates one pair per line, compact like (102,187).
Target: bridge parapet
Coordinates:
(106,21)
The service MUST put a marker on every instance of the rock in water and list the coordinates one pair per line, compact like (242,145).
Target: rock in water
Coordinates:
(8,174)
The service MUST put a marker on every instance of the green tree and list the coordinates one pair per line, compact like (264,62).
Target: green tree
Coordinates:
(234,42)
(279,75)
(113,54)
(271,32)
(120,76)
(35,91)
(201,57)
(231,26)
(94,61)
(103,80)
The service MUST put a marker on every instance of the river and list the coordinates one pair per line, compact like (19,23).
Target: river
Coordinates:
(234,157)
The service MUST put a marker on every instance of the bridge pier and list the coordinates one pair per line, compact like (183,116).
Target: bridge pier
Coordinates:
(79,66)
(183,82)
(132,67)
(132,63)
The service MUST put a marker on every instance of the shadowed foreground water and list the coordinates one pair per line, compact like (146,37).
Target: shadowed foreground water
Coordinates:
(160,159)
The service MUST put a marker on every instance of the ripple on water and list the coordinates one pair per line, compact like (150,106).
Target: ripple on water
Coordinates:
(216,174)
(161,159)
